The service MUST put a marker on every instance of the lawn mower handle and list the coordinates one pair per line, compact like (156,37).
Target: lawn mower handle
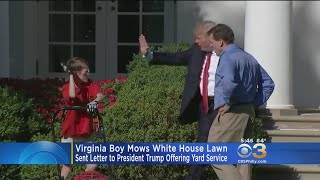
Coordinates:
(73,108)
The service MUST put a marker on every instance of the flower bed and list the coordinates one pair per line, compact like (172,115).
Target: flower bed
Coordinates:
(46,93)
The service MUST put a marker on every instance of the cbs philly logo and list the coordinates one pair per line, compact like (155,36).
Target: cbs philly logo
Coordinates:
(257,150)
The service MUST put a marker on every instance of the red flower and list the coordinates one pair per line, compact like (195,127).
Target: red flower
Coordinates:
(104,92)
(48,119)
(122,78)
(100,105)
(110,90)
(112,98)
(108,81)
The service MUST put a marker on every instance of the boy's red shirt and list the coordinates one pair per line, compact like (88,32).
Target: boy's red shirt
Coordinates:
(78,123)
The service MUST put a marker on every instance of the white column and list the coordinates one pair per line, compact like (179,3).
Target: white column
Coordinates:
(4,42)
(268,39)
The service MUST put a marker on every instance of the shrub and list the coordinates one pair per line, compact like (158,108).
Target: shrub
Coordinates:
(19,122)
(258,131)
(147,111)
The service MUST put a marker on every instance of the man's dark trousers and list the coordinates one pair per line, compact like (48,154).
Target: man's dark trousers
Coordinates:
(204,125)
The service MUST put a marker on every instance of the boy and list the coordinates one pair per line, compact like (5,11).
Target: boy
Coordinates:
(79,91)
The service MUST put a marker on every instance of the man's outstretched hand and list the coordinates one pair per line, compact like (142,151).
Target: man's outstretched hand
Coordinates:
(143,44)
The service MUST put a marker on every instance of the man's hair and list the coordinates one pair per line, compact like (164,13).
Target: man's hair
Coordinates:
(77,63)
(222,32)
(203,26)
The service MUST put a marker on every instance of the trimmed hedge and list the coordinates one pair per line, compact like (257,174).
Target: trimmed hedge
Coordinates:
(147,110)
(19,122)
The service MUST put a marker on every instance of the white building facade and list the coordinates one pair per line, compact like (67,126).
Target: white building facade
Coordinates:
(282,35)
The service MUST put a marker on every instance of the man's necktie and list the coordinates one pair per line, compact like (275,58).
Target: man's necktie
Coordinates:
(205,80)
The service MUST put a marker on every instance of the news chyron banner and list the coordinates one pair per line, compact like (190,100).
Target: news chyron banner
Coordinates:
(159,153)
(42,152)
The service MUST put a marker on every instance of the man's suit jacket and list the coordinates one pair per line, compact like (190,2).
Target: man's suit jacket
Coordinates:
(193,58)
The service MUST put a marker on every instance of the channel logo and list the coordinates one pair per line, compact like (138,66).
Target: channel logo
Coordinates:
(44,152)
(257,150)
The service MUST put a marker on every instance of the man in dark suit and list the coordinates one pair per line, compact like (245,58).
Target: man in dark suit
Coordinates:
(197,99)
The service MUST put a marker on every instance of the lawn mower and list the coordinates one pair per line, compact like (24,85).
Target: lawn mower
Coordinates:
(100,134)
